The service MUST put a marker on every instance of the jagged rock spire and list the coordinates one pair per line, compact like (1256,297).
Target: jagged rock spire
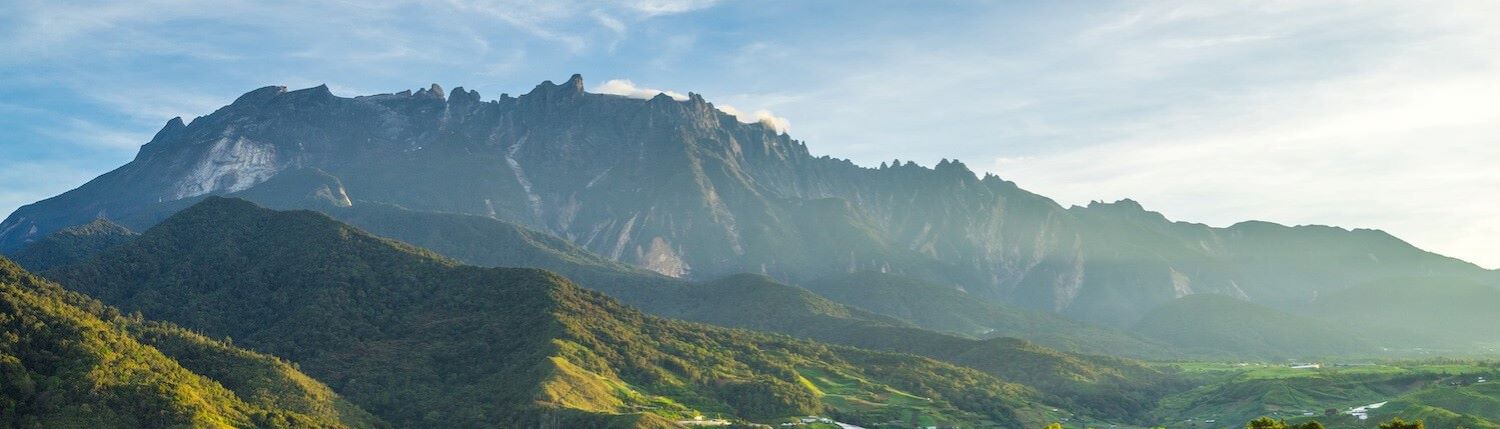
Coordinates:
(574,83)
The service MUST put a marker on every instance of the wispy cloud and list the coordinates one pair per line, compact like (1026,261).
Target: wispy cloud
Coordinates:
(668,7)
(762,116)
(627,88)
(1404,142)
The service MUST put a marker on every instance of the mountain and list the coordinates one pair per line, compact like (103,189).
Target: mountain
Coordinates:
(72,245)
(1434,312)
(1146,260)
(683,189)
(947,309)
(67,361)
(1221,325)
(741,301)
(420,340)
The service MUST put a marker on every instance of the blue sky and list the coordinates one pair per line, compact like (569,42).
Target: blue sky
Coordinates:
(1376,114)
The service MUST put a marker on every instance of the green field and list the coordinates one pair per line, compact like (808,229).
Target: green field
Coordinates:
(1444,394)
(878,405)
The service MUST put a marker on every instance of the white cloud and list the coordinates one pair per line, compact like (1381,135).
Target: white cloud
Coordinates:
(762,116)
(669,7)
(627,88)
(610,22)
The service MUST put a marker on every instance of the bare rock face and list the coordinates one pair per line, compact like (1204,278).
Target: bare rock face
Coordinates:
(684,189)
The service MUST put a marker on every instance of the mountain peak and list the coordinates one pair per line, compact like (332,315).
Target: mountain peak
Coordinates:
(662,97)
(260,95)
(1126,204)
(434,91)
(459,95)
(173,126)
(572,87)
(574,83)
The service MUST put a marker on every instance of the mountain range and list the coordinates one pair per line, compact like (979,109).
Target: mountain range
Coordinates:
(684,189)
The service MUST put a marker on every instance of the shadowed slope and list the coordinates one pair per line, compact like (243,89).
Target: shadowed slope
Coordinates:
(67,361)
(423,341)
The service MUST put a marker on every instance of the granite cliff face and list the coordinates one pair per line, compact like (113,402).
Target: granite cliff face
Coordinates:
(686,190)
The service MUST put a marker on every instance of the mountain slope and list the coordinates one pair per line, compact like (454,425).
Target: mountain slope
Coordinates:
(1221,325)
(67,361)
(422,341)
(1145,260)
(683,189)
(744,301)
(1434,312)
(1111,388)
(942,308)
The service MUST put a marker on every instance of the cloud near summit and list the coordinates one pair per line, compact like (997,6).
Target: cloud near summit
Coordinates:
(624,87)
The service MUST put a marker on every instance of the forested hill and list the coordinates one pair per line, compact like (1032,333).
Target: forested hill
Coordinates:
(72,245)
(421,340)
(67,361)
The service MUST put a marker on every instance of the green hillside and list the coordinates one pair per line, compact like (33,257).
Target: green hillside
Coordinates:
(1471,406)
(1218,325)
(1443,394)
(760,303)
(421,341)
(71,245)
(68,362)
(1104,387)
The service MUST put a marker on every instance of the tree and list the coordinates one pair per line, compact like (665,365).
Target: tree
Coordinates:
(1268,423)
(1397,423)
(1310,424)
